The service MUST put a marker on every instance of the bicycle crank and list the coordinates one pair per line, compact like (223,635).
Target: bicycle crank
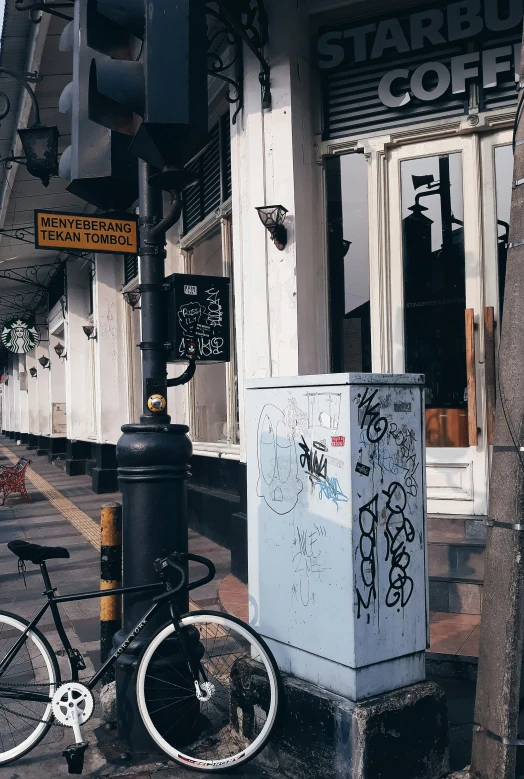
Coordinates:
(72,706)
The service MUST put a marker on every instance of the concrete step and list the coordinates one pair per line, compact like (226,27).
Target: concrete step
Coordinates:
(462,560)
(454,596)
(456,553)
(443,527)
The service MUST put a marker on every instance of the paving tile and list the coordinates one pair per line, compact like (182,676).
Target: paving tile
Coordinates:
(471,647)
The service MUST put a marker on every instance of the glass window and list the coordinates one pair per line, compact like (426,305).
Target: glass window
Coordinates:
(435,291)
(348,247)
(213,418)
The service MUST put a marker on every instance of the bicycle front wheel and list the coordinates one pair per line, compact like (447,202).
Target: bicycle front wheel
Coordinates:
(239,680)
(34,669)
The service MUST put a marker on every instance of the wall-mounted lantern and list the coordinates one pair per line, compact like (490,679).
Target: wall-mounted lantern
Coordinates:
(59,349)
(90,332)
(272,217)
(44,362)
(33,372)
(132,299)
(345,246)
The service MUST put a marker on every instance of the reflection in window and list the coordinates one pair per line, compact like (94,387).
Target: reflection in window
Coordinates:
(503,179)
(435,291)
(349,263)
(209,385)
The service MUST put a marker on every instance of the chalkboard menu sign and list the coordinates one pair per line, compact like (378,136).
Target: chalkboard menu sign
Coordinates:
(199,324)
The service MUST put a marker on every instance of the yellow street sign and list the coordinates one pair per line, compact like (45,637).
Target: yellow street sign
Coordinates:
(85,232)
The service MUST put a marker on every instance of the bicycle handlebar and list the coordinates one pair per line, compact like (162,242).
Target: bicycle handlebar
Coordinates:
(173,561)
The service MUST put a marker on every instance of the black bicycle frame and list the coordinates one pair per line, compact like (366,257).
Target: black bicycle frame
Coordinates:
(52,603)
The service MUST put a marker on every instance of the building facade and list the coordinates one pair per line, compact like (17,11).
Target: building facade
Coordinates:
(389,142)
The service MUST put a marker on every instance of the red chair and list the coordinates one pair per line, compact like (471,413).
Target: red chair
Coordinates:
(12,479)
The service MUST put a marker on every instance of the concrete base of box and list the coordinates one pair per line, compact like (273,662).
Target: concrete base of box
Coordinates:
(353,683)
(397,735)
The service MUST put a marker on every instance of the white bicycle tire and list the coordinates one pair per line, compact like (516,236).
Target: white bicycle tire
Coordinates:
(35,737)
(177,755)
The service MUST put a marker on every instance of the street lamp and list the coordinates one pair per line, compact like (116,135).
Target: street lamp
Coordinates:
(44,362)
(33,372)
(40,143)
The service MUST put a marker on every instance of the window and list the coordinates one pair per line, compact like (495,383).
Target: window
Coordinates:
(213,389)
(212,169)
(348,239)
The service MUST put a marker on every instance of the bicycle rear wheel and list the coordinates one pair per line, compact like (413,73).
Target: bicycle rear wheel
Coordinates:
(242,685)
(23,723)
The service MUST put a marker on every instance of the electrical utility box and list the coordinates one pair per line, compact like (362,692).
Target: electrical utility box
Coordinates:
(199,318)
(337,528)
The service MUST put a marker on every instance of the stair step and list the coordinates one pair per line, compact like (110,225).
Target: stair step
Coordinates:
(464,561)
(454,596)
(442,527)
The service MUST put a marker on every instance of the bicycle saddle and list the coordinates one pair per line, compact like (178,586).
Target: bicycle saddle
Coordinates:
(35,553)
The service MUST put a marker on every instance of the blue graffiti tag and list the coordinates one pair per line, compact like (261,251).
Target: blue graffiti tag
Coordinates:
(330,488)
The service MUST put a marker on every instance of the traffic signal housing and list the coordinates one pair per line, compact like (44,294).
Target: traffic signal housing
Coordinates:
(149,81)
(97,164)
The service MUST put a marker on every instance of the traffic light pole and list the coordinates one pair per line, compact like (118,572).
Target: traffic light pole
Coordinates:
(153,458)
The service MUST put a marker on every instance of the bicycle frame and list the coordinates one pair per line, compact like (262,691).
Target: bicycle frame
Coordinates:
(72,654)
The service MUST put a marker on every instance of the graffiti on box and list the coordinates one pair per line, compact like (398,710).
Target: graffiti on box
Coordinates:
(304,462)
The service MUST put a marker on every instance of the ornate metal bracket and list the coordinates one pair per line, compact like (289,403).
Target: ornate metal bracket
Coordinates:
(29,303)
(232,23)
(38,276)
(19,233)
(35,7)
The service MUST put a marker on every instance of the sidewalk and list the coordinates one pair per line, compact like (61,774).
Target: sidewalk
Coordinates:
(65,512)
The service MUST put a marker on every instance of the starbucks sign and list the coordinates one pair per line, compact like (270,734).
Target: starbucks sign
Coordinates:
(19,335)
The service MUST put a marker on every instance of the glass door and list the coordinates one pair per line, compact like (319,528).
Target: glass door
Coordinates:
(437,297)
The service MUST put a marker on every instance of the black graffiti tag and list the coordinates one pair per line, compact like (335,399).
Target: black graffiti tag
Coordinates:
(368,522)
(314,466)
(398,532)
(376,425)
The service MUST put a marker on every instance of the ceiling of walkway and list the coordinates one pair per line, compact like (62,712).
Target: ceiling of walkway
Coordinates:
(25,271)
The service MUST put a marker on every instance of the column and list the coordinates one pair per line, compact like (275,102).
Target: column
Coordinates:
(281,318)
(109,369)
(43,387)
(78,378)
(24,397)
(32,400)
(58,437)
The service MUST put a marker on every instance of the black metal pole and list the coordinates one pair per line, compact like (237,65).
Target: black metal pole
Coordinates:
(153,458)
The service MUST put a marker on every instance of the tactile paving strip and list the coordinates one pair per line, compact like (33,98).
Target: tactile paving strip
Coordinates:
(78,518)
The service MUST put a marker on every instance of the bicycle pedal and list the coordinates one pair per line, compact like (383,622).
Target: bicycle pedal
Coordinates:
(74,755)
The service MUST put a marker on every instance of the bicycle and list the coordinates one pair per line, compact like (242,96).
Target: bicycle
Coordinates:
(207,685)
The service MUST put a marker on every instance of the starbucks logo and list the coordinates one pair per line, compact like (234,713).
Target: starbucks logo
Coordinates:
(19,336)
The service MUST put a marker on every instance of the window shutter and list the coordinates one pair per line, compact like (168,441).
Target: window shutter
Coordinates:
(130,267)
(213,169)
